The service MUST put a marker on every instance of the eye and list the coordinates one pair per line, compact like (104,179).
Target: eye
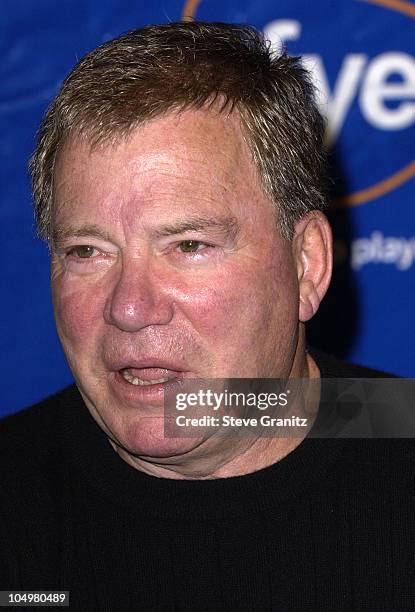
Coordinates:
(191,246)
(87,258)
(83,251)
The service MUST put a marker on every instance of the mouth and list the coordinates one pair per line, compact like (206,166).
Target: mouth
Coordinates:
(145,382)
(147,376)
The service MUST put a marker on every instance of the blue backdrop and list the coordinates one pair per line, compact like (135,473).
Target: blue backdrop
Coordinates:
(361,53)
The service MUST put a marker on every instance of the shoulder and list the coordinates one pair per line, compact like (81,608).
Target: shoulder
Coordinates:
(332,367)
(363,403)
(380,442)
(377,473)
(31,440)
(33,423)
(33,485)
(34,472)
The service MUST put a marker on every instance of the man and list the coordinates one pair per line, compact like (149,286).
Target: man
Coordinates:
(179,181)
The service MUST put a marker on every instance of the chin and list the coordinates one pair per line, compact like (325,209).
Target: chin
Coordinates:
(145,438)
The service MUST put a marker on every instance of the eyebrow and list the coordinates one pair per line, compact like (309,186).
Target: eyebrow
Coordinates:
(224,227)
(62,232)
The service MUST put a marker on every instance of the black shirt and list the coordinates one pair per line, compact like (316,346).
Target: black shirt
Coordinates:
(329,527)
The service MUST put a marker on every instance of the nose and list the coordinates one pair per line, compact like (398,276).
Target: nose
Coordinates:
(138,299)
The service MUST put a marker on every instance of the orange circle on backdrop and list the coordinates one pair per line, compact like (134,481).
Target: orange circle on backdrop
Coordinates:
(391,182)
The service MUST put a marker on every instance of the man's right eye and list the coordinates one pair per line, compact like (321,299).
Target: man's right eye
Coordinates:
(83,251)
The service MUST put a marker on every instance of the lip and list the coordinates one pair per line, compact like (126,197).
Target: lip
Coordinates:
(149,395)
(150,363)
(139,396)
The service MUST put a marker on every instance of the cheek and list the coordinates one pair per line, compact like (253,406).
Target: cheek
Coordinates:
(222,306)
(251,305)
(78,310)
(202,306)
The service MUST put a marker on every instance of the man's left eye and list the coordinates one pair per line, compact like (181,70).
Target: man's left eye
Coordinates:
(191,246)
(84,251)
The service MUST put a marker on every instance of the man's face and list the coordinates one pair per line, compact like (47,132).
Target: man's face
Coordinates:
(167,264)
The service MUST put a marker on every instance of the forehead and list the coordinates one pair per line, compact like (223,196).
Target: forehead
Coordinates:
(195,154)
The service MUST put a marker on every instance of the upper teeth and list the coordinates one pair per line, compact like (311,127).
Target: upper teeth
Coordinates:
(139,381)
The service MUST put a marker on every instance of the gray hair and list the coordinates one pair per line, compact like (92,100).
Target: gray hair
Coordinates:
(150,71)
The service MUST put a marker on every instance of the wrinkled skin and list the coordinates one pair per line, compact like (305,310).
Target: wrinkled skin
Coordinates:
(131,292)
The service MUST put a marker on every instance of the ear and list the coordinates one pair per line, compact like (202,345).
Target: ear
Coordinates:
(313,254)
